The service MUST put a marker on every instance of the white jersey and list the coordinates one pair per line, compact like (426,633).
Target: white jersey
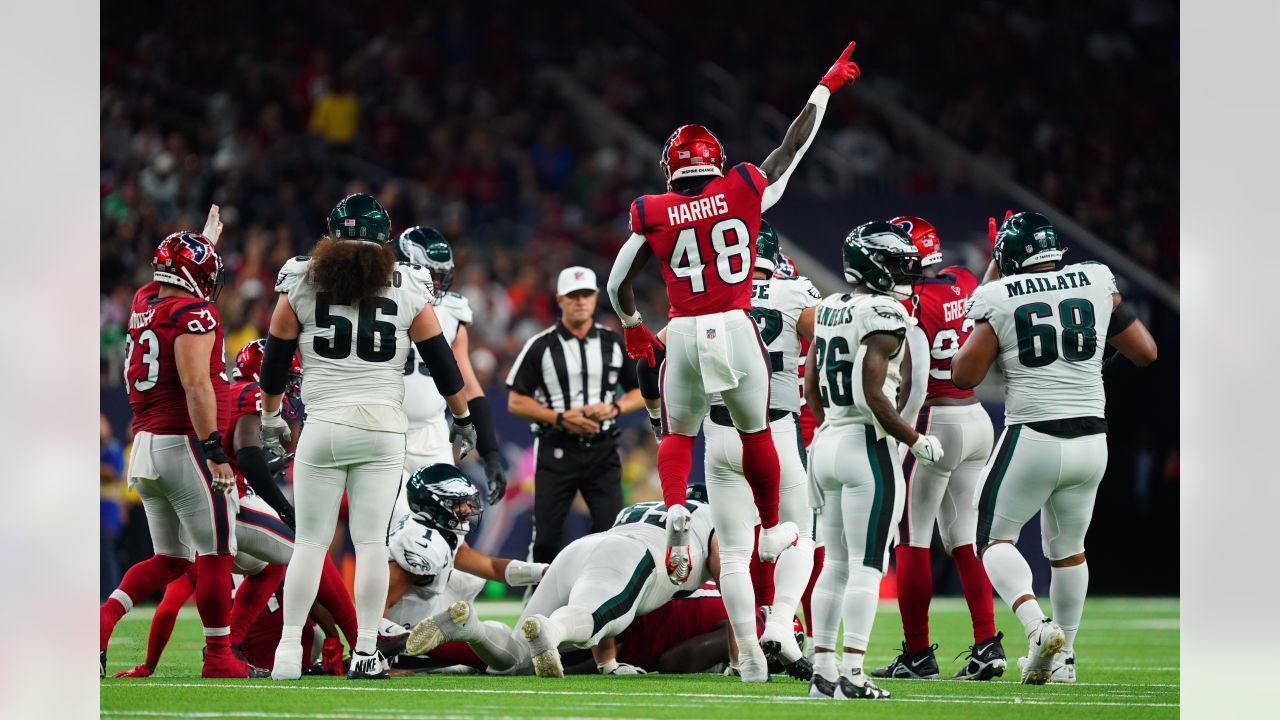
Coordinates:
(1051,328)
(647,522)
(776,304)
(422,399)
(841,323)
(354,357)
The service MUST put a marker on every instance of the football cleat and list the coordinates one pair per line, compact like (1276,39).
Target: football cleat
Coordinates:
(986,660)
(102,664)
(392,646)
(368,666)
(679,563)
(288,662)
(1063,669)
(782,647)
(820,687)
(546,655)
(752,665)
(911,666)
(774,540)
(140,671)
(857,686)
(1042,644)
(438,629)
(226,665)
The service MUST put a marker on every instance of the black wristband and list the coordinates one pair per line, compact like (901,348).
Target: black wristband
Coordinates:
(443,366)
(559,419)
(617,408)
(213,448)
(276,359)
(486,440)
(252,463)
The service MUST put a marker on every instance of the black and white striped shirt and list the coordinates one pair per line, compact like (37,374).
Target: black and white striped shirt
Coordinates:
(562,372)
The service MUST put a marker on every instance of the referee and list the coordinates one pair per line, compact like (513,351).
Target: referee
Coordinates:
(572,380)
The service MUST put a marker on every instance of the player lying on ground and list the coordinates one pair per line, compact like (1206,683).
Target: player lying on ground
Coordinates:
(593,590)
(851,375)
(1042,322)
(703,232)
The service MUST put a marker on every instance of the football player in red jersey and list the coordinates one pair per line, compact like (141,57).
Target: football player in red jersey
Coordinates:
(703,231)
(178,390)
(944,491)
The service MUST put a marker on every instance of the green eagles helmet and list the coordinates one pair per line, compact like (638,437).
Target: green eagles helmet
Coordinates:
(766,248)
(427,247)
(360,217)
(1026,239)
(881,256)
(442,497)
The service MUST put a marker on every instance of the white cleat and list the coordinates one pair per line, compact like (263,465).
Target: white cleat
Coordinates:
(1043,643)
(438,629)
(679,563)
(753,667)
(288,662)
(780,640)
(1062,670)
(546,655)
(774,540)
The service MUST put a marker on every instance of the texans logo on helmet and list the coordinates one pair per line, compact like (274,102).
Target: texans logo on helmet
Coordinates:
(198,249)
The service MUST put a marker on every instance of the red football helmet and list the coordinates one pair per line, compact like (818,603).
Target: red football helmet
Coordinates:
(924,236)
(249,365)
(189,260)
(692,150)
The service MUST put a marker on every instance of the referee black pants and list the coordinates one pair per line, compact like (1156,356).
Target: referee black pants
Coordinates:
(563,469)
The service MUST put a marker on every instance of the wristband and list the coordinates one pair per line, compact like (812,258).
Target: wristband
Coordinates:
(819,96)
(608,667)
(522,574)
(617,409)
(213,448)
(462,420)
(630,321)
(559,419)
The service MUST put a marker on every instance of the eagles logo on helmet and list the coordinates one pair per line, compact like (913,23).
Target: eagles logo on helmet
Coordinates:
(189,261)
(441,496)
(426,246)
(692,151)
(881,256)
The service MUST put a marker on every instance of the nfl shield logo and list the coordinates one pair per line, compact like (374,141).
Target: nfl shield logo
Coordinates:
(955,289)
(1039,235)
(578,275)
(711,333)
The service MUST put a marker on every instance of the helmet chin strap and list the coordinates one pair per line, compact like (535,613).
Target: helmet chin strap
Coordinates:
(902,292)
(195,286)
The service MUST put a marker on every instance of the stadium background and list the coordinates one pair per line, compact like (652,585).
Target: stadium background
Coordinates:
(523,133)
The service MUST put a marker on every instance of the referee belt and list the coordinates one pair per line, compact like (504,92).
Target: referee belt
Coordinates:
(719,415)
(552,433)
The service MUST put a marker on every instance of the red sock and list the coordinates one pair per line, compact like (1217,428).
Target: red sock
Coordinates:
(761,575)
(760,467)
(175,596)
(915,589)
(806,600)
(333,595)
(251,599)
(139,581)
(977,592)
(675,459)
(213,600)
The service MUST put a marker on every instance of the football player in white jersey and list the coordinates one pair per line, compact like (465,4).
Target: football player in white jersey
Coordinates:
(593,590)
(427,440)
(430,563)
(852,377)
(352,312)
(1045,324)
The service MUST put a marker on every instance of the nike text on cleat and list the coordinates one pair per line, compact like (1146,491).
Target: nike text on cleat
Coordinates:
(368,666)
(1042,644)
(986,660)
(911,666)
(438,629)
(774,540)
(546,657)
(848,689)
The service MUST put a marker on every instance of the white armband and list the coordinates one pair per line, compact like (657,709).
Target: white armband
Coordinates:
(820,95)
(520,573)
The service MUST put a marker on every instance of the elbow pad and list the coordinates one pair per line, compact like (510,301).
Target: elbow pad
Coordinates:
(1121,318)
(275,364)
(443,366)
(486,439)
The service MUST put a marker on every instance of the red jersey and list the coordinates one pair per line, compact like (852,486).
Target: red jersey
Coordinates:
(246,399)
(649,636)
(706,241)
(156,395)
(941,316)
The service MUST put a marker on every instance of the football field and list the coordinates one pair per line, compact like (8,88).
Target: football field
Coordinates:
(1127,666)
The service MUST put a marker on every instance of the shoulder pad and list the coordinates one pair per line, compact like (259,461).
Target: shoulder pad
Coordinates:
(417,275)
(885,314)
(460,306)
(980,305)
(419,550)
(292,273)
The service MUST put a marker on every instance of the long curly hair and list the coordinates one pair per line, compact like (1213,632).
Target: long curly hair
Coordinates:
(351,270)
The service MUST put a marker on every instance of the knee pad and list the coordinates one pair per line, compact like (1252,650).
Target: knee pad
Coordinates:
(735,560)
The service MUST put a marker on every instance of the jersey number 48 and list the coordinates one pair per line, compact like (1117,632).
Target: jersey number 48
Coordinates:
(686,261)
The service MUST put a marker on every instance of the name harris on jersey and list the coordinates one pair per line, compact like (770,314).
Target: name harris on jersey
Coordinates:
(699,209)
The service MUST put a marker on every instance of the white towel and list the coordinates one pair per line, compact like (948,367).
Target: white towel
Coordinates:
(141,467)
(711,332)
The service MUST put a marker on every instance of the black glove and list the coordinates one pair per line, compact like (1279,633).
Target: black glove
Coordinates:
(277,464)
(656,425)
(496,477)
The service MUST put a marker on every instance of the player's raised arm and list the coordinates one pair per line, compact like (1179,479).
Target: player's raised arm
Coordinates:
(778,166)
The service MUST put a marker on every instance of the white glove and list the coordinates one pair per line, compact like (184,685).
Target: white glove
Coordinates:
(275,431)
(613,667)
(927,450)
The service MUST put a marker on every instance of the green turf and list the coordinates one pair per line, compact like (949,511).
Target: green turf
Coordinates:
(1127,667)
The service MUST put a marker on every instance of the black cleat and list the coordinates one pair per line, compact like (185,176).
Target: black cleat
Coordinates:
(102,664)
(801,669)
(911,666)
(391,646)
(257,672)
(846,689)
(986,660)
(368,667)
(820,687)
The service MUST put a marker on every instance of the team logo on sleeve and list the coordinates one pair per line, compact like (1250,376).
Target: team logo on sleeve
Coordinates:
(887,314)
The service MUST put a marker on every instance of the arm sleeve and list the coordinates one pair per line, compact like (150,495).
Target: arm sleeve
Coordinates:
(524,376)
(253,465)
(486,438)
(275,364)
(918,346)
(621,267)
(773,193)
(647,376)
(443,366)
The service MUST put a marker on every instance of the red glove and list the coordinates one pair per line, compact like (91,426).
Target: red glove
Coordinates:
(141,671)
(991,227)
(844,71)
(640,342)
(331,656)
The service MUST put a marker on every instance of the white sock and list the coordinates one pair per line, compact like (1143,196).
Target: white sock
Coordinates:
(824,664)
(850,663)
(828,595)
(1030,615)
(1066,596)
(861,596)
(571,624)
(372,577)
(790,578)
(1011,577)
